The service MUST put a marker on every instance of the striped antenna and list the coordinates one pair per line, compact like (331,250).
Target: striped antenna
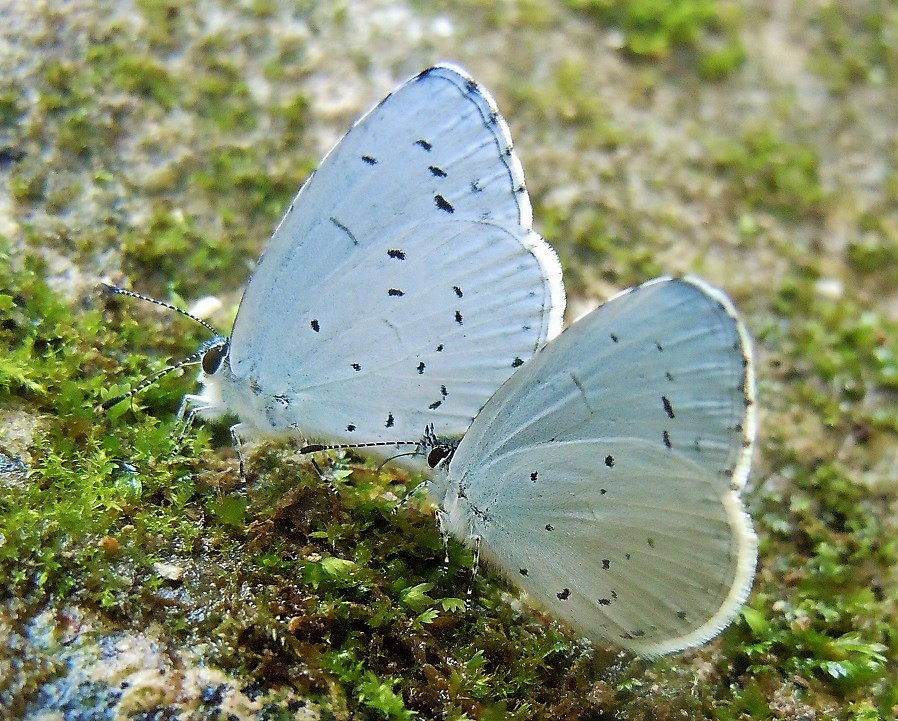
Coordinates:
(428,440)
(191,360)
(115,290)
(319,447)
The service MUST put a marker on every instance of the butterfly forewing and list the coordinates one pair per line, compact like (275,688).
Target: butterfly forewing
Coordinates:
(667,362)
(404,284)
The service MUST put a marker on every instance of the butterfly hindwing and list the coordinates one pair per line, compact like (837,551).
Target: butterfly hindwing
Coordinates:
(603,477)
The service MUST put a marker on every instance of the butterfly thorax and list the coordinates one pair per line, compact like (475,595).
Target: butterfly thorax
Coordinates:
(260,412)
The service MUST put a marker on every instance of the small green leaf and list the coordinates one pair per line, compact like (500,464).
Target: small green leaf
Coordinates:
(337,567)
(229,510)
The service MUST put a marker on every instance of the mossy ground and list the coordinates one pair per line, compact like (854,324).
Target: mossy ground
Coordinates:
(157,143)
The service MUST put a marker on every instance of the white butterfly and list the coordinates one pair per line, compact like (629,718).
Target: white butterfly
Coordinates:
(604,476)
(401,288)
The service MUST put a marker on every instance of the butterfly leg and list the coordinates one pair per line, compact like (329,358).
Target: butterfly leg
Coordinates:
(238,447)
(321,476)
(475,541)
(443,522)
(414,491)
(187,413)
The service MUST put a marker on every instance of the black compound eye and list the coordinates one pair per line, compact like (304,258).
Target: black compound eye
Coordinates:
(437,455)
(213,357)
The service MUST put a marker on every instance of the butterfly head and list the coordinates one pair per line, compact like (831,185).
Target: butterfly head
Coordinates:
(214,354)
(439,449)
(440,456)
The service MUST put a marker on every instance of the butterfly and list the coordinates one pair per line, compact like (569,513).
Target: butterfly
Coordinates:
(403,285)
(604,477)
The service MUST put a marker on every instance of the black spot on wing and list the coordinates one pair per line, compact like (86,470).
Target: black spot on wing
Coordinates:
(668,408)
(346,230)
(443,204)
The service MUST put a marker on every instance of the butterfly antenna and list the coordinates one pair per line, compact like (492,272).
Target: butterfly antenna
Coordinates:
(115,290)
(319,447)
(190,360)
(398,455)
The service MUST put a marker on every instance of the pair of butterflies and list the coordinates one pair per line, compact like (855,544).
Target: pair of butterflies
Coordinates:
(405,289)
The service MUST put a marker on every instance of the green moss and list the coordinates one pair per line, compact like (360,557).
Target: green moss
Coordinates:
(718,62)
(813,632)
(568,100)
(11,108)
(874,254)
(166,23)
(654,29)
(856,44)
(219,93)
(768,171)
(597,246)
(28,185)
(80,486)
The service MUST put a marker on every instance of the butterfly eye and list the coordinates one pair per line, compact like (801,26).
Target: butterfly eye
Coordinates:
(213,357)
(438,455)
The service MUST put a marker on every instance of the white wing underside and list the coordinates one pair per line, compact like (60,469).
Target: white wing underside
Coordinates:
(603,477)
(404,284)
